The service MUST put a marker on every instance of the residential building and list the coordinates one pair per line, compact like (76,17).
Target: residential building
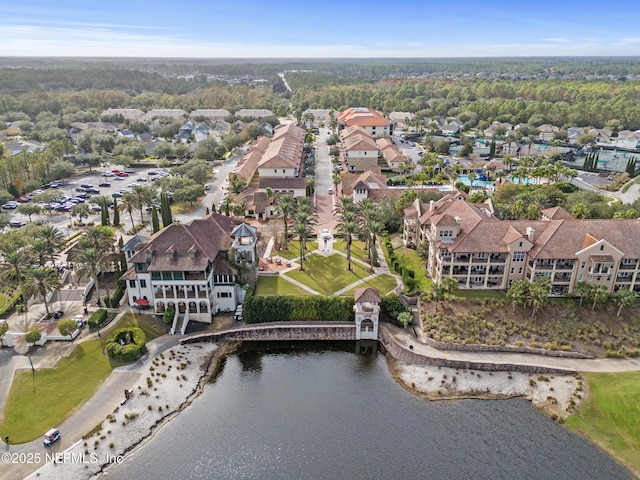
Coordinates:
(254,113)
(392,155)
(359,150)
(210,114)
(373,122)
(190,267)
(172,113)
(131,114)
(466,242)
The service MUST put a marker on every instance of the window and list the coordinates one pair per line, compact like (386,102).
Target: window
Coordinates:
(224,295)
(513,270)
(518,256)
(520,244)
(481,255)
(275,170)
(583,265)
(601,247)
(132,283)
(580,277)
(520,271)
(143,284)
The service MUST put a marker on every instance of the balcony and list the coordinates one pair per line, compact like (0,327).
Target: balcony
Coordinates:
(629,266)
(461,258)
(498,258)
(561,278)
(620,279)
(476,259)
(564,265)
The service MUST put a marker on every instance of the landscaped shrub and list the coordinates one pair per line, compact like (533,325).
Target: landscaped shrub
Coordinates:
(67,327)
(126,344)
(167,316)
(292,308)
(98,319)
(391,307)
(114,301)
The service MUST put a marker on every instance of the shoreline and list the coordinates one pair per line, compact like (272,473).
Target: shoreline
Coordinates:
(172,380)
(556,395)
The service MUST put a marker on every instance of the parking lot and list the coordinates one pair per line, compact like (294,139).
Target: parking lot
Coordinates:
(107,181)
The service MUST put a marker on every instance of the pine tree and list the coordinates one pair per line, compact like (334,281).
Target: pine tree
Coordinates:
(492,149)
(116,213)
(123,257)
(104,213)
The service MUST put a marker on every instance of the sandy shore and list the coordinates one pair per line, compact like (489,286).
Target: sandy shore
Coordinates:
(557,395)
(172,380)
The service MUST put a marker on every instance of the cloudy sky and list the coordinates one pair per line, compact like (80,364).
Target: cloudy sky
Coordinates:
(327,28)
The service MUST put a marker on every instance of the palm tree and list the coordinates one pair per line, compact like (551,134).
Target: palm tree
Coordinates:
(99,238)
(39,249)
(286,206)
(624,298)
(598,294)
(41,281)
(347,226)
(450,285)
(14,267)
(91,262)
(53,238)
(129,203)
(582,289)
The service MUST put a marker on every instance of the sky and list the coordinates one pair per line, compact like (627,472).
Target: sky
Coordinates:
(319,28)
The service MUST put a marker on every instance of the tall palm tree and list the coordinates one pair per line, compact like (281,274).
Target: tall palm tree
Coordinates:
(41,281)
(286,206)
(347,225)
(53,238)
(129,203)
(303,228)
(91,262)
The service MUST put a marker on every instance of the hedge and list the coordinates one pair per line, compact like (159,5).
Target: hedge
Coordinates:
(293,308)
(130,351)
(98,319)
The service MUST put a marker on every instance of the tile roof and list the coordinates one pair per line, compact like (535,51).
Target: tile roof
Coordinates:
(366,295)
(363,117)
(188,247)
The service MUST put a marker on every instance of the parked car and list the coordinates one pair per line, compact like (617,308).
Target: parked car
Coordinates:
(16,223)
(105,185)
(10,205)
(129,170)
(122,174)
(108,174)
(52,436)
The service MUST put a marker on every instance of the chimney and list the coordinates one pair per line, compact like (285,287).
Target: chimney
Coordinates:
(530,234)
(432,205)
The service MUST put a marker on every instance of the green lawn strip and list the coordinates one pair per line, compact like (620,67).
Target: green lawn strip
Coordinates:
(384,283)
(327,275)
(58,392)
(357,249)
(276,285)
(409,258)
(3,299)
(151,327)
(609,417)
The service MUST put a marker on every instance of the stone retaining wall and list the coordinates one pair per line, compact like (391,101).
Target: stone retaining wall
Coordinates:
(279,333)
(474,347)
(396,350)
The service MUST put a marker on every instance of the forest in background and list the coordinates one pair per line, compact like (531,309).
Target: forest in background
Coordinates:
(598,92)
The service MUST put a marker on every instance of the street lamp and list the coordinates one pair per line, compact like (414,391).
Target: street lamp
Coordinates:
(33,372)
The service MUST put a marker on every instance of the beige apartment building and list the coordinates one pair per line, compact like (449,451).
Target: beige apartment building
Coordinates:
(466,242)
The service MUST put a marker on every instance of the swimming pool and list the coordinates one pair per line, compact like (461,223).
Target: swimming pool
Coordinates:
(476,183)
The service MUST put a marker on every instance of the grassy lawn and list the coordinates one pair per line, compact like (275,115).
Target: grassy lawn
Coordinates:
(3,299)
(384,283)
(357,249)
(276,285)
(58,391)
(328,274)
(610,416)
(151,327)
(293,252)
(408,257)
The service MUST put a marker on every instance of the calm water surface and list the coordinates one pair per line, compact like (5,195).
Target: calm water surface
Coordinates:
(333,414)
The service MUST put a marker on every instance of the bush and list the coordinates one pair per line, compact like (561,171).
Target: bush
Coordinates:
(67,327)
(167,316)
(114,300)
(134,345)
(98,319)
